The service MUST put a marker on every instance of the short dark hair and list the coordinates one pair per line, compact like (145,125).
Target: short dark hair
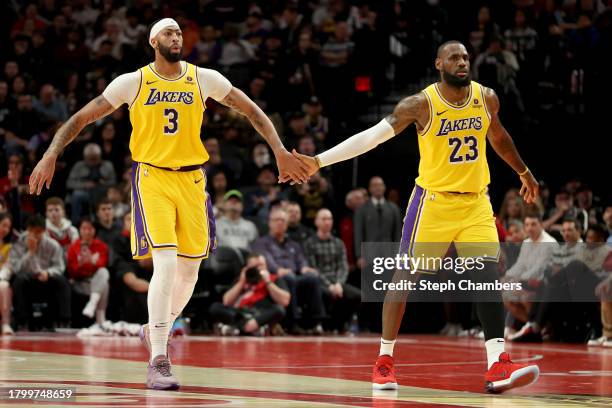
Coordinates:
(86,220)
(35,221)
(103,201)
(574,221)
(599,230)
(54,201)
(445,44)
(253,255)
(535,215)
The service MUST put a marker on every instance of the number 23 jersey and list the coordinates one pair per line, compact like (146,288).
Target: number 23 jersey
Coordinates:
(453,143)
(167,114)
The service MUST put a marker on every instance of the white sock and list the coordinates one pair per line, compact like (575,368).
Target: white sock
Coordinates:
(90,307)
(100,316)
(159,298)
(184,283)
(494,348)
(386,347)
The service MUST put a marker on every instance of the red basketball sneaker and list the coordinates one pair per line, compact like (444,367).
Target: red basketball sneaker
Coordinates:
(504,375)
(383,376)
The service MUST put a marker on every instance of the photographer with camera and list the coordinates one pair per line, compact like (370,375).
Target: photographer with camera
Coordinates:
(258,299)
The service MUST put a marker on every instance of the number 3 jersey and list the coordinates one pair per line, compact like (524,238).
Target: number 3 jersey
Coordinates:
(167,114)
(453,143)
(166,120)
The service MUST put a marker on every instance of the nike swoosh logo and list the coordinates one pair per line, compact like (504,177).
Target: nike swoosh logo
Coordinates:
(151,82)
(199,181)
(440,113)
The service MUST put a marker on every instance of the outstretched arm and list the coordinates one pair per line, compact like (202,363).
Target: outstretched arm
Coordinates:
(504,147)
(409,110)
(43,172)
(289,167)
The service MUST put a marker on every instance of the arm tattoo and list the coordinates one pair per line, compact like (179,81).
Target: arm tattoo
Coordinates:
(406,112)
(71,129)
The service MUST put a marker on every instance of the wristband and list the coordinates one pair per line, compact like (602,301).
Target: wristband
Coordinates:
(524,172)
(318,161)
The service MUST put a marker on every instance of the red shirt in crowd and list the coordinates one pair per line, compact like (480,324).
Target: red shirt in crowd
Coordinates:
(85,260)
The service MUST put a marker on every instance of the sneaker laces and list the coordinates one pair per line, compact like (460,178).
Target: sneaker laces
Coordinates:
(384,370)
(163,367)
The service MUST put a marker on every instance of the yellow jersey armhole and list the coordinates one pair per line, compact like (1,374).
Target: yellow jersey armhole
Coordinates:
(197,77)
(431,113)
(137,93)
(484,101)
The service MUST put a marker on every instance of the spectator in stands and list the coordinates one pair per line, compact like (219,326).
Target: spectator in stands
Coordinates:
(285,258)
(58,226)
(377,220)
(233,230)
(534,258)
(512,209)
(296,127)
(7,104)
(21,125)
(14,189)
(133,276)
(112,145)
(50,105)
(607,217)
(326,253)
(296,230)
(117,199)
(113,36)
(134,31)
(6,301)
(313,196)
(218,188)
(37,261)
(87,270)
(256,301)
(353,201)
(513,242)
(566,264)
(564,208)
(486,28)
(306,145)
(107,228)
(88,180)
(208,49)
(335,69)
(301,70)
(257,201)
(316,123)
(521,38)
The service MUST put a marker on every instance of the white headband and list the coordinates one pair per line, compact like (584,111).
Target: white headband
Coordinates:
(160,25)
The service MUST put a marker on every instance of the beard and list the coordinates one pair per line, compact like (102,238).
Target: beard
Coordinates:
(454,80)
(169,55)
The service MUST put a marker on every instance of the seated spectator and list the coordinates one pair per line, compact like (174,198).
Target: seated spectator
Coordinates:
(575,272)
(117,199)
(208,48)
(233,230)
(354,199)
(107,228)
(256,301)
(87,261)
(217,189)
(14,189)
(58,226)
(512,209)
(514,239)
(20,125)
(50,105)
(533,259)
(316,123)
(296,230)
(564,208)
(37,261)
(114,36)
(607,217)
(285,258)
(6,301)
(313,196)
(88,180)
(133,276)
(257,200)
(326,253)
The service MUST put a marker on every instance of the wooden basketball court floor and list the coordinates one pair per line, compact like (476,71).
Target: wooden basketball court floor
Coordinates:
(433,371)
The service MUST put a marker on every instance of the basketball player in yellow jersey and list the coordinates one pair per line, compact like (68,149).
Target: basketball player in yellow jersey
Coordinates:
(449,203)
(172,217)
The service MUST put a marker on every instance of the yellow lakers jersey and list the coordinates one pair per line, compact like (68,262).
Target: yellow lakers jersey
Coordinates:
(453,143)
(166,119)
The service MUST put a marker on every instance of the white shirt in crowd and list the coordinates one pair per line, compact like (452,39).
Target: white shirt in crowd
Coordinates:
(533,258)
(236,234)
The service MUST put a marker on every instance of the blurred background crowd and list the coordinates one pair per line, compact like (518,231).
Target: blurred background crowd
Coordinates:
(322,70)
